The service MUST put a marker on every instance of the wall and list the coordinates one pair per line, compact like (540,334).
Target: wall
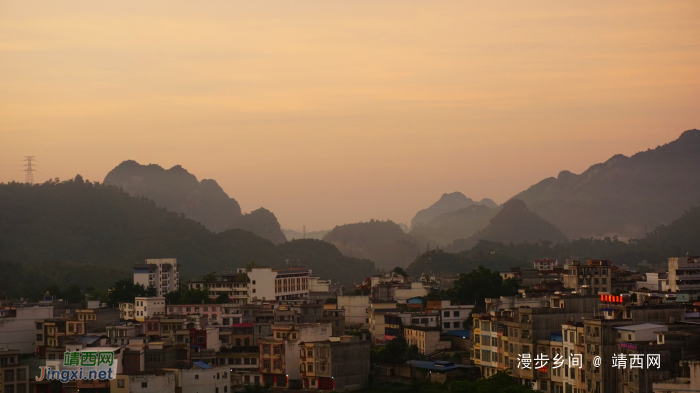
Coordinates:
(355,309)
(19,332)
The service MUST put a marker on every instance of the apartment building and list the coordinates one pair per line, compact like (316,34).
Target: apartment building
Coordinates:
(162,274)
(148,307)
(13,376)
(688,383)
(595,274)
(545,264)
(280,355)
(17,327)
(427,339)
(452,314)
(212,312)
(126,311)
(234,285)
(684,275)
(356,310)
(119,334)
(339,364)
(283,284)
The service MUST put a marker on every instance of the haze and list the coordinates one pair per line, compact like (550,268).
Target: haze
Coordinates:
(336,112)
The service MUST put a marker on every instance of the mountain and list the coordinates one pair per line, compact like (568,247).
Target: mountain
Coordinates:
(447,203)
(105,230)
(383,242)
(292,234)
(461,223)
(514,223)
(624,196)
(203,201)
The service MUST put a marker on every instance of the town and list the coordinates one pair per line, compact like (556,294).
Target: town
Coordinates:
(570,326)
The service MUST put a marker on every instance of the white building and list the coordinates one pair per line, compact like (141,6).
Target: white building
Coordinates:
(143,383)
(684,274)
(149,307)
(356,310)
(234,285)
(162,274)
(417,290)
(318,285)
(653,281)
(202,378)
(452,314)
(689,383)
(126,311)
(285,284)
(641,332)
(17,326)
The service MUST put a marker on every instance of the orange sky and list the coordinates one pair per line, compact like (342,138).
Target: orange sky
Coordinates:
(335,112)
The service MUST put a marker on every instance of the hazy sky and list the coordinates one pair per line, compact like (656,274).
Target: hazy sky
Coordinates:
(331,112)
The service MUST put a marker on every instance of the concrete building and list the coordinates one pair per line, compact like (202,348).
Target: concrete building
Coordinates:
(340,364)
(417,289)
(546,264)
(653,282)
(13,376)
(162,274)
(126,312)
(452,314)
(318,285)
(356,310)
(201,378)
(211,312)
(689,383)
(149,307)
(234,285)
(280,356)
(17,326)
(119,334)
(684,274)
(154,382)
(427,339)
(335,318)
(597,274)
(284,284)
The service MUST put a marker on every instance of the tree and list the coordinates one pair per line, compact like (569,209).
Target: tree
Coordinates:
(399,270)
(72,294)
(481,283)
(210,277)
(124,291)
(223,298)
(195,296)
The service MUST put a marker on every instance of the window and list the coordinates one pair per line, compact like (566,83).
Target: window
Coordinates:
(196,376)
(446,314)
(120,383)
(277,365)
(310,367)
(266,364)
(446,325)
(313,382)
(277,350)
(39,325)
(144,385)
(266,350)
(39,337)
(455,314)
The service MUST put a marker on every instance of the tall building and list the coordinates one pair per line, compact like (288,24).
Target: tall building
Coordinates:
(283,284)
(596,274)
(162,274)
(684,274)
(340,364)
(234,285)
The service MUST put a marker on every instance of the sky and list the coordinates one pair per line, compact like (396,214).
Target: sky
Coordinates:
(337,112)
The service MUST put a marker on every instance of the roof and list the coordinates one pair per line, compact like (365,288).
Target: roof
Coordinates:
(438,365)
(202,365)
(89,339)
(459,333)
(643,326)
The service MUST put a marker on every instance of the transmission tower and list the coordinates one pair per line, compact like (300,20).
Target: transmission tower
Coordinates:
(29,170)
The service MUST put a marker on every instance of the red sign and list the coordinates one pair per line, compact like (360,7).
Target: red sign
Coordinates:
(611,299)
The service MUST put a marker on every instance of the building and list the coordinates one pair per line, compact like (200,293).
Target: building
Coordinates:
(211,312)
(356,310)
(234,285)
(427,339)
(689,383)
(416,289)
(13,376)
(546,264)
(684,274)
(284,284)
(452,314)
(318,285)
(335,318)
(149,307)
(340,364)
(162,274)
(653,282)
(153,382)
(596,274)
(119,334)
(126,312)
(17,326)
(280,356)
(201,378)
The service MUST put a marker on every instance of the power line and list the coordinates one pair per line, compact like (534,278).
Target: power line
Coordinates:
(29,176)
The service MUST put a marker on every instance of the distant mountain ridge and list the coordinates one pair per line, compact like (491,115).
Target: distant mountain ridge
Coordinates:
(447,203)
(383,242)
(514,223)
(203,201)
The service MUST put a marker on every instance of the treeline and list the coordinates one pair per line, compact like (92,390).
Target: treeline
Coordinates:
(89,234)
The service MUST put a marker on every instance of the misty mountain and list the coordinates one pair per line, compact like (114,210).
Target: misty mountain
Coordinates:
(292,234)
(105,229)
(447,203)
(514,223)
(383,242)
(625,196)
(447,227)
(203,201)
